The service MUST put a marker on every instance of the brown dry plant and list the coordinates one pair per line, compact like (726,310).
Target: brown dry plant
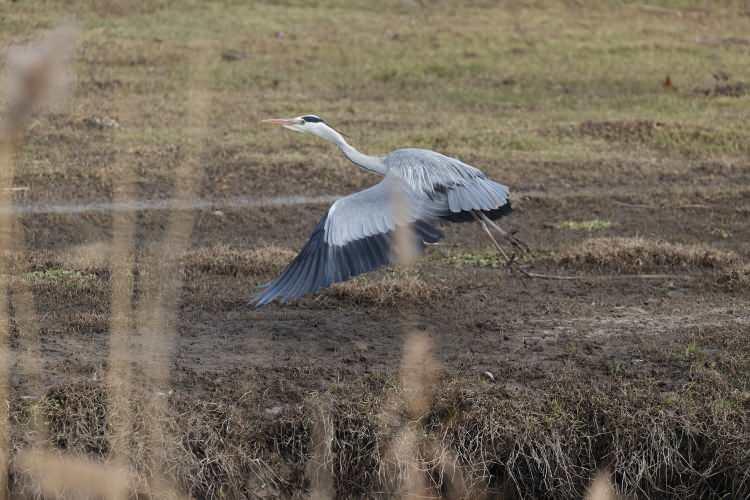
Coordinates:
(736,278)
(635,255)
(94,256)
(405,245)
(396,289)
(227,261)
(157,314)
(7,167)
(122,257)
(601,488)
(419,373)
(53,475)
(403,466)
(318,467)
(39,74)
(404,452)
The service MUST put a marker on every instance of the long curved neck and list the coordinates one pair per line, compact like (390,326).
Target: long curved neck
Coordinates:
(365,162)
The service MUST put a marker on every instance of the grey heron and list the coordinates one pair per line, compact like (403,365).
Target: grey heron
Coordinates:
(356,235)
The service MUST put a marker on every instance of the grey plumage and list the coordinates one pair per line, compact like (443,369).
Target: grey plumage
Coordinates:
(451,184)
(420,188)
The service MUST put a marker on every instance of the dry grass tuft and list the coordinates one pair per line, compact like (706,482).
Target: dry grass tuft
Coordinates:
(91,256)
(392,290)
(76,415)
(736,278)
(470,439)
(671,137)
(635,255)
(636,131)
(227,261)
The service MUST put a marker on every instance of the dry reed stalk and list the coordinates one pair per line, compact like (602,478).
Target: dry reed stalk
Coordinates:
(419,373)
(157,317)
(38,75)
(52,475)
(317,469)
(29,351)
(601,488)
(7,163)
(403,462)
(120,418)
(405,453)
(450,473)
(405,248)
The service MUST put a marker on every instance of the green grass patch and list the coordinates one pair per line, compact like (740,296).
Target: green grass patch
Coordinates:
(476,259)
(586,225)
(58,276)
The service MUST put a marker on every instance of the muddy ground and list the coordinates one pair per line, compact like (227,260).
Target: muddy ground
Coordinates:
(639,365)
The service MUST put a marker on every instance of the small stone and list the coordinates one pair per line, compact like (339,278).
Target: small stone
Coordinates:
(100,122)
(234,55)
(489,376)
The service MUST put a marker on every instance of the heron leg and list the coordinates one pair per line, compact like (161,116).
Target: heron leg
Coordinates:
(519,244)
(508,260)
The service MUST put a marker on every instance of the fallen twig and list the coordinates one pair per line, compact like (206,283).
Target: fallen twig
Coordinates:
(529,274)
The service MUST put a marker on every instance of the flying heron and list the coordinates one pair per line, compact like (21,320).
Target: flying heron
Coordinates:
(356,235)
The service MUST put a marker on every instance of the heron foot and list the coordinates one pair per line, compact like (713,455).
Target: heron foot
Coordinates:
(519,244)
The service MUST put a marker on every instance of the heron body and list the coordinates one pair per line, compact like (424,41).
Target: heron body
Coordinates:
(357,233)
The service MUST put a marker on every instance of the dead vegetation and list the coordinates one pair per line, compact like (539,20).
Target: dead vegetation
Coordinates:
(229,261)
(394,289)
(736,278)
(723,86)
(638,255)
(725,89)
(455,436)
(638,131)
(669,137)
(41,474)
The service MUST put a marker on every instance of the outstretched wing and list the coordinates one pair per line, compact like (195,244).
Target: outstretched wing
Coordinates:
(354,237)
(456,186)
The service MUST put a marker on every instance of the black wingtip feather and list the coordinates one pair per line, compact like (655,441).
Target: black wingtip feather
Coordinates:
(319,265)
(468,216)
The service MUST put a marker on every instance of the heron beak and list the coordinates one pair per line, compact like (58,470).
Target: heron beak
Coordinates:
(280,121)
(289,123)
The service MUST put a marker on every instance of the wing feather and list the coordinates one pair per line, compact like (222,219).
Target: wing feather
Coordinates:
(354,237)
(453,186)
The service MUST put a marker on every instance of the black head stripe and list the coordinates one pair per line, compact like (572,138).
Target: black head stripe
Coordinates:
(312,119)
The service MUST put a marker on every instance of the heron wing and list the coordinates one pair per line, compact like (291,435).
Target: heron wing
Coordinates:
(459,187)
(354,237)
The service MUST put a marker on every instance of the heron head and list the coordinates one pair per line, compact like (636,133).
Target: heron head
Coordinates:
(306,124)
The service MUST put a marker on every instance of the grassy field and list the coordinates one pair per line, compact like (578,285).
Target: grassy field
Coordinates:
(136,364)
